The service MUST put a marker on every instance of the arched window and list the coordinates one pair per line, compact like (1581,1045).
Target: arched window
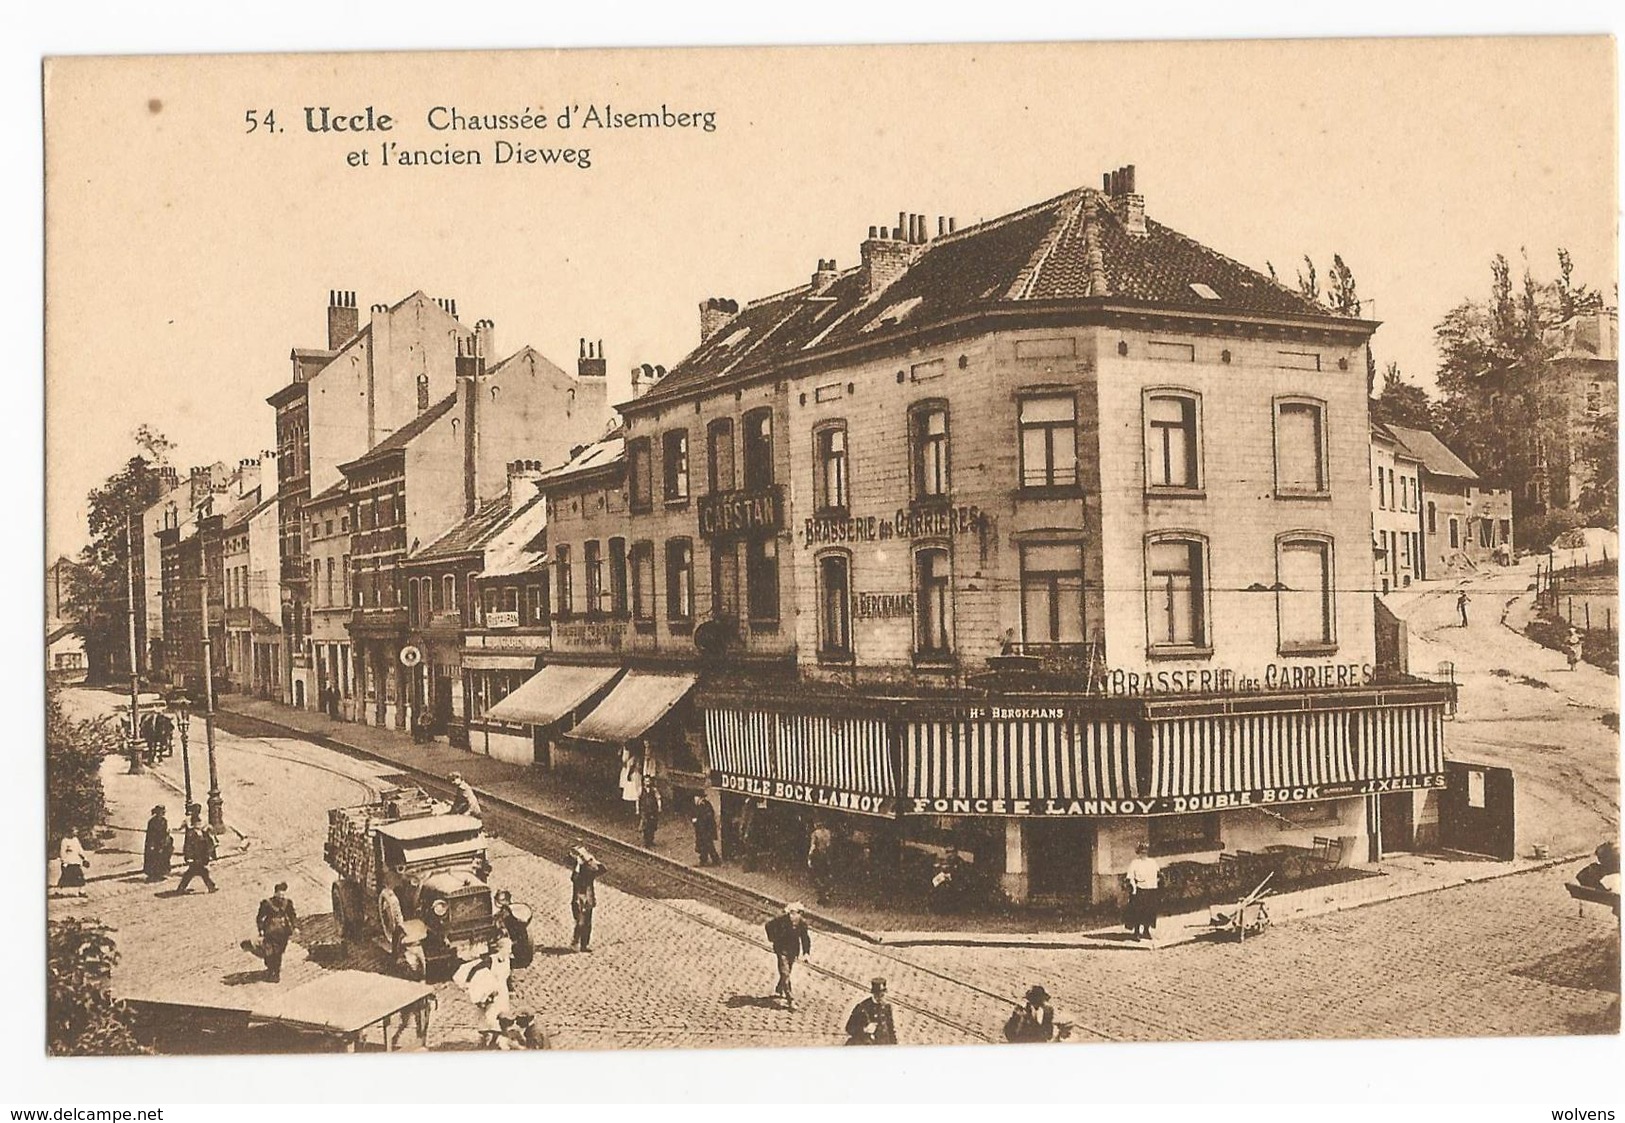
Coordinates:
(835,605)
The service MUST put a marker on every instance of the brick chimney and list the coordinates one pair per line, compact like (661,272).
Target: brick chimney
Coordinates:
(168,478)
(524,481)
(887,254)
(824,276)
(201,485)
(591,363)
(1129,205)
(715,311)
(343,318)
(485,340)
(644,377)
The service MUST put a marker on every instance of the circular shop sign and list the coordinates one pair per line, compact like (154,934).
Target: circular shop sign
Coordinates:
(411,656)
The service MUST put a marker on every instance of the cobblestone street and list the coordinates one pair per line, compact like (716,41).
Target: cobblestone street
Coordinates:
(1509,956)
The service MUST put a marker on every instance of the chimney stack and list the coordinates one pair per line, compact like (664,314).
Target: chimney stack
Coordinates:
(168,477)
(715,311)
(644,377)
(343,318)
(470,367)
(524,481)
(447,305)
(887,255)
(824,276)
(485,339)
(1129,204)
(591,363)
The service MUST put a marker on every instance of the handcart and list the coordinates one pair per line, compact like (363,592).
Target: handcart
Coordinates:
(1248,916)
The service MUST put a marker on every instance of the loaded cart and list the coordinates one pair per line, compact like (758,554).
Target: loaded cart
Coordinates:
(409,878)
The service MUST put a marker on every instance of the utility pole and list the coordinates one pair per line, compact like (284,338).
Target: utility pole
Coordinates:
(135,676)
(217,819)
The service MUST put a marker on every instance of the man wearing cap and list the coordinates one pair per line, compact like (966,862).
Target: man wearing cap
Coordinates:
(276,922)
(871,1020)
(1034,1021)
(466,803)
(791,940)
(584,877)
(198,850)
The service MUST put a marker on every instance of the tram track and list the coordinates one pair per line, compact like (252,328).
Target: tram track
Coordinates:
(664,882)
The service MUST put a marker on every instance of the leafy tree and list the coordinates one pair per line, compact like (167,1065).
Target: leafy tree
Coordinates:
(1401,402)
(1599,451)
(82,1017)
(1309,283)
(97,594)
(74,750)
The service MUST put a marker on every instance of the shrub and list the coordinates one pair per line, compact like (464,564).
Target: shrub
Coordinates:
(1536,533)
(74,751)
(82,1017)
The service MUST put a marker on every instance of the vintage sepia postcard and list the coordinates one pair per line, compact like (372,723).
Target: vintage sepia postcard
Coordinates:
(961,544)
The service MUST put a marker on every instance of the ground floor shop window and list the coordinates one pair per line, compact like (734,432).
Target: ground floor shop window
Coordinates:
(1184,834)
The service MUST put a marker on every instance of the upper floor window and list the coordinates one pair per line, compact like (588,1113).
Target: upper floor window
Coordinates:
(1172,443)
(762,578)
(724,580)
(758,449)
(1382,495)
(1176,592)
(928,432)
(932,603)
(449,595)
(643,581)
(680,579)
(566,597)
(595,577)
(1433,518)
(830,447)
(1304,602)
(617,576)
(535,605)
(1052,593)
(1049,444)
(1455,534)
(639,477)
(720,457)
(1300,447)
(674,465)
(835,605)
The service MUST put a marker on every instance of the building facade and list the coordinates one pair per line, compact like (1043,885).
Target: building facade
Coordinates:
(1396,512)
(1464,524)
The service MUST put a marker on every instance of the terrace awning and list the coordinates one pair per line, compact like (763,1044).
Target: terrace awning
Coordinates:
(632,708)
(552,694)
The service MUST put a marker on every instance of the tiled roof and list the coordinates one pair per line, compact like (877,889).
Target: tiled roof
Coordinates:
(332,492)
(243,510)
(1435,456)
(1069,248)
(403,436)
(601,453)
(470,534)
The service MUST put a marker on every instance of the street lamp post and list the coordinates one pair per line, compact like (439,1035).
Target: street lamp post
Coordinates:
(183,720)
(217,820)
(135,674)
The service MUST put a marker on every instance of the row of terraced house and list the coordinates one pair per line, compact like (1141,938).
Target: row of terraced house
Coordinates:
(1029,541)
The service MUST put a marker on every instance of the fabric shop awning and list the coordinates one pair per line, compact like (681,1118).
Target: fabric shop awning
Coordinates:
(1017,766)
(637,702)
(837,762)
(552,693)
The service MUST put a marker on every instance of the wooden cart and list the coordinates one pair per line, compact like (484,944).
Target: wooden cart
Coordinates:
(1248,916)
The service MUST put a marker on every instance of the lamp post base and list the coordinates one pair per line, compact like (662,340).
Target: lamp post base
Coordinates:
(217,811)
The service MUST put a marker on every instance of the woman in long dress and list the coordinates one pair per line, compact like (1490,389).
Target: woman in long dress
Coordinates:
(160,847)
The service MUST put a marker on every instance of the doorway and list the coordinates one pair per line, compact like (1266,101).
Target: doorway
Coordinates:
(1060,858)
(1396,821)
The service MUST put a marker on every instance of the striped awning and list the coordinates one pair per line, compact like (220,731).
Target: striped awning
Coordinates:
(1320,752)
(1019,760)
(838,762)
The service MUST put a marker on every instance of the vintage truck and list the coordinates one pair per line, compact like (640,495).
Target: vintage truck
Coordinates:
(407,847)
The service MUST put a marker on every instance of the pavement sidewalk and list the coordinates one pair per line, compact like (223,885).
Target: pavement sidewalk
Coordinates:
(601,817)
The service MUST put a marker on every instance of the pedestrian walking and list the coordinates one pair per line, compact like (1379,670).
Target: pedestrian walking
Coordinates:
(276,921)
(791,940)
(584,877)
(648,814)
(1462,601)
(159,848)
(871,1021)
(73,862)
(488,994)
(1032,1021)
(705,831)
(1144,878)
(465,802)
(514,920)
(1575,648)
(820,860)
(197,851)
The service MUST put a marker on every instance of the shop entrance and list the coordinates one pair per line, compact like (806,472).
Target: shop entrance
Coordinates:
(1476,810)
(1060,856)
(1395,822)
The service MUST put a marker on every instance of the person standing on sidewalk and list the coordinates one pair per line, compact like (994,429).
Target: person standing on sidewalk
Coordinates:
(1462,601)
(705,831)
(197,850)
(159,847)
(73,862)
(276,923)
(648,814)
(583,895)
(791,940)
(820,860)
(871,1022)
(1144,876)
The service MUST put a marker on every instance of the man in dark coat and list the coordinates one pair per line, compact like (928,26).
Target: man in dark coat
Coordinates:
(584,876)
(871,1020)
(515,921)
(1034,1021)
(648,813)
(276,923)
(159,848)
(705,832)
(197,850)
(791,940)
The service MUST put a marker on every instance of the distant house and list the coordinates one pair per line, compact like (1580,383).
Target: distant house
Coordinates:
(1396,501)
(1584,369)
(1463,523)
(65,654)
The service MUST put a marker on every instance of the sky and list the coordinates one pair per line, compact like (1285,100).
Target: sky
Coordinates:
(186,256)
